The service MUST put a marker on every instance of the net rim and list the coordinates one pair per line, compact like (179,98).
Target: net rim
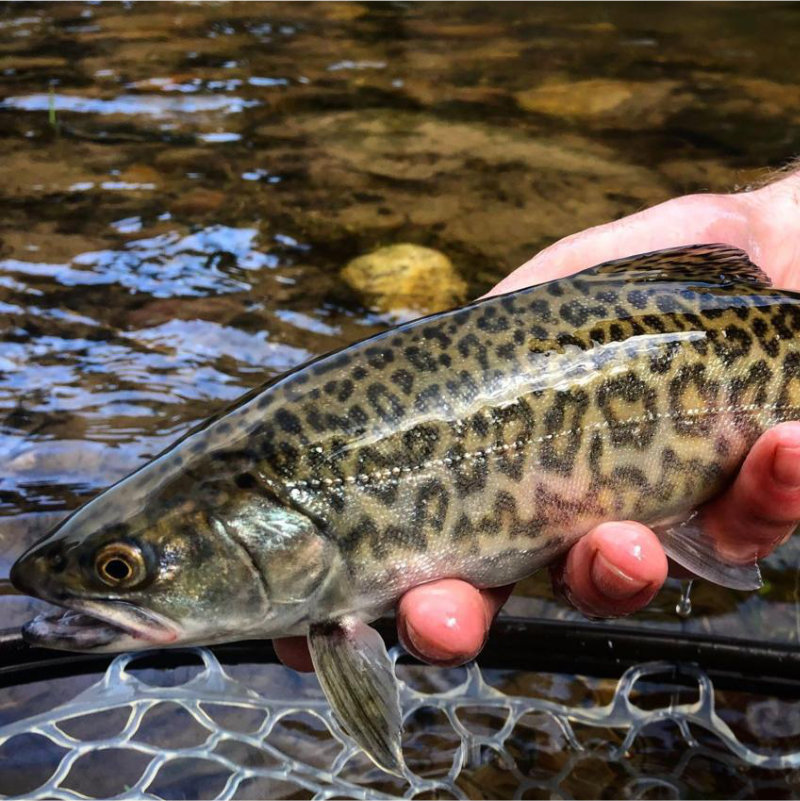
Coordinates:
(600,650)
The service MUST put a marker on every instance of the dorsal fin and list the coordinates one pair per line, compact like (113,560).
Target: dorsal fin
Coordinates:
(708,264)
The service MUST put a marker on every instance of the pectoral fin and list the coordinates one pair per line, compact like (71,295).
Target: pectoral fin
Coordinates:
(357,676)
(691,547)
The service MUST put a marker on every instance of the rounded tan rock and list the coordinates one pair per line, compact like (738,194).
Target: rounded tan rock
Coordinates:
(406,277)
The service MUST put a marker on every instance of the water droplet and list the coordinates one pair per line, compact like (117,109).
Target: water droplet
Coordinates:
(684,605)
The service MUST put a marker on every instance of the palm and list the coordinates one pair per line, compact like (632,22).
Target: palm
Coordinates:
(762,223)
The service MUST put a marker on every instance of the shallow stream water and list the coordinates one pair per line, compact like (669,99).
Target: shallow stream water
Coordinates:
(181,185)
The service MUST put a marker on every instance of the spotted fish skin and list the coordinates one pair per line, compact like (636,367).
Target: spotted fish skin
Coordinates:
(480,443)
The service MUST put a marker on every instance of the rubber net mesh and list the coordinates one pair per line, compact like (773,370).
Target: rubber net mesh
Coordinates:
(126,737)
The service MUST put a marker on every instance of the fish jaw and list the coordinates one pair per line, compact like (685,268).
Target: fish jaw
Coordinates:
(108,625)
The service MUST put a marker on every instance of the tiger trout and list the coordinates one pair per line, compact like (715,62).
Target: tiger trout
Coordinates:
(478,443)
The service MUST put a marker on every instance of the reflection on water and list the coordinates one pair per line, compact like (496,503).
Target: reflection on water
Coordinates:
(180,186)
(130,105)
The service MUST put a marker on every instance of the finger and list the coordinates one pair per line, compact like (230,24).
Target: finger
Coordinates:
(762,507)
(446,622)
(293,652)
(616,569)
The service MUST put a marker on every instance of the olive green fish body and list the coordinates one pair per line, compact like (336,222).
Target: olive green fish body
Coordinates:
(480,443)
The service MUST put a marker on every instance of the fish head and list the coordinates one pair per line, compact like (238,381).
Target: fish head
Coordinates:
(196,562)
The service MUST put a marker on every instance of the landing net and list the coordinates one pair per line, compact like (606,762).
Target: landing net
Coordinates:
(466,740)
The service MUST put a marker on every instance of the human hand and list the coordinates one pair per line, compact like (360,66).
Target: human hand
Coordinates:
(617,568)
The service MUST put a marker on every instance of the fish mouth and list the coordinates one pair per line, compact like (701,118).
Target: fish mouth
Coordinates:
(108,625)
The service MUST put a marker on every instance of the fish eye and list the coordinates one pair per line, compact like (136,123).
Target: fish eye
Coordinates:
(120,565)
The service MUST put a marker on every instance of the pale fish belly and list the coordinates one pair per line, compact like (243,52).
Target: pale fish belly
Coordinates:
(617,444)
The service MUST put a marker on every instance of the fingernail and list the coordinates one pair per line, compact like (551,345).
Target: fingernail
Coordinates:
(613,582)
(786,466)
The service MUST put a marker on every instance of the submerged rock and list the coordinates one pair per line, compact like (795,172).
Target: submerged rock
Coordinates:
(631,104)
(578,98)
(406,277)
(198,202)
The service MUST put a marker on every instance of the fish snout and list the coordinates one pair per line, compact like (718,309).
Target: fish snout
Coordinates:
(34,571)
(20,575)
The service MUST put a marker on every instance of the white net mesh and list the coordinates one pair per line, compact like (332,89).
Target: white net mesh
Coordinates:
(214,736)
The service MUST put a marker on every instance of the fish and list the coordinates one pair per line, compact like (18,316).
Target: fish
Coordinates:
(479,443)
